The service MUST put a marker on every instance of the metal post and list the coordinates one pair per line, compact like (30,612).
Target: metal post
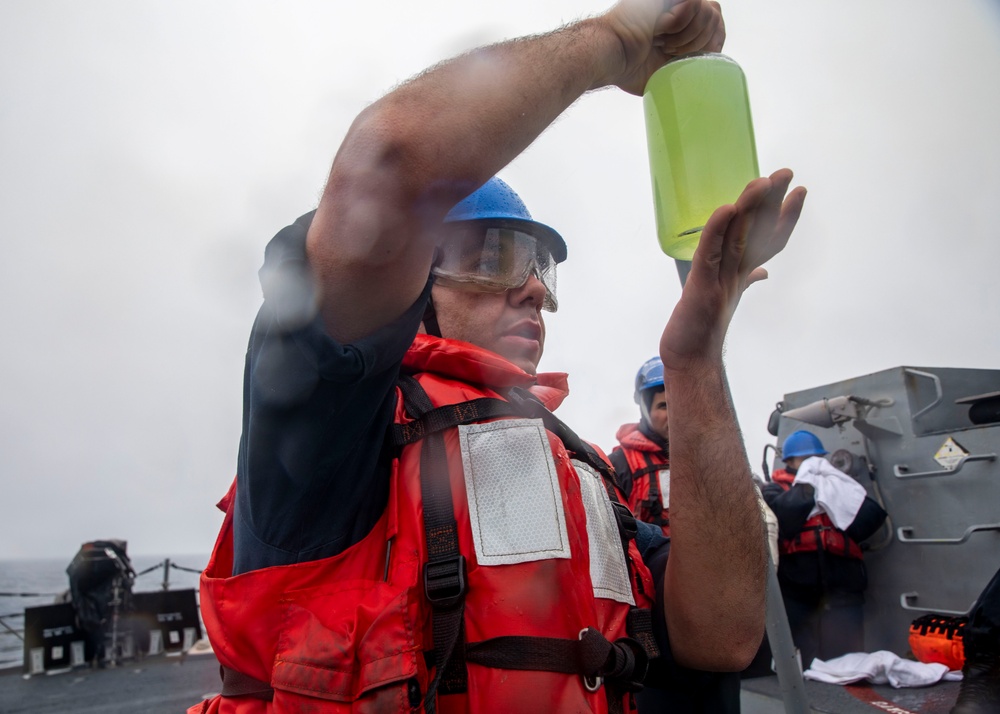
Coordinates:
(166,574)
(115,604)
(779,634)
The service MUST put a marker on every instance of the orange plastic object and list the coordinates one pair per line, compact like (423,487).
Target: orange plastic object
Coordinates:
(938,638)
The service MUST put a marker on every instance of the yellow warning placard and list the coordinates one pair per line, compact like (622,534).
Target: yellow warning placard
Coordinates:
(950,454)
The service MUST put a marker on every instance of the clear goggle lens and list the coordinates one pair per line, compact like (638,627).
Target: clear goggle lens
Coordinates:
(495,260)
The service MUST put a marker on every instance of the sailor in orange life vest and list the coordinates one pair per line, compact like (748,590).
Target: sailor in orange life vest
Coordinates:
(411,528)
(823,515)
(642,463)
(642,457)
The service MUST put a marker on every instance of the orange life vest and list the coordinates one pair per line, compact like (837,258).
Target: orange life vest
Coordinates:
(530,590)
(650,468)
(939,638)
(818,532)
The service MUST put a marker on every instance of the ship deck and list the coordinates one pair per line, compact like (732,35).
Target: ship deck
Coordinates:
(763,696)
(155,685)
(168,685)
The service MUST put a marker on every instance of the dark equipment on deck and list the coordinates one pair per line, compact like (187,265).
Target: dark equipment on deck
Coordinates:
(100,581)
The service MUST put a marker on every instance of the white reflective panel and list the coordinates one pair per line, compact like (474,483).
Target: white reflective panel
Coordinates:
(608,571)
(515,505)
(664,477)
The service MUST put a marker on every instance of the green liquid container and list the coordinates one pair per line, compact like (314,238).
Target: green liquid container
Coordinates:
(701,146)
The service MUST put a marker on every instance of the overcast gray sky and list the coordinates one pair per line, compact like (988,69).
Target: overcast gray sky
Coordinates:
(149,150)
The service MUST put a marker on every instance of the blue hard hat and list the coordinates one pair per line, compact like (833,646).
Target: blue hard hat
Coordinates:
(649,376)
(497,203)
(801,443)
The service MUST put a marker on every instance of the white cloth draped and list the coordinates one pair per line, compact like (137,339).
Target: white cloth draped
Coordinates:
(837,494)
(882,667)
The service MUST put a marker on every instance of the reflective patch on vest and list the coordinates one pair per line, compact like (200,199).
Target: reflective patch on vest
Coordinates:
(608,571)
(515,505)
(664,478)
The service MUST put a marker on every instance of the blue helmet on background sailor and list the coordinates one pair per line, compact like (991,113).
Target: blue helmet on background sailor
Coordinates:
(801,443)
(648,381)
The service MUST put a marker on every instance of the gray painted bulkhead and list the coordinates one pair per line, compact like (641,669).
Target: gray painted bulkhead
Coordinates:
(892,446)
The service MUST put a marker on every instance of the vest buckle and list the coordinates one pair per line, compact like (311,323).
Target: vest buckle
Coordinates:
(444,581)
(627,527)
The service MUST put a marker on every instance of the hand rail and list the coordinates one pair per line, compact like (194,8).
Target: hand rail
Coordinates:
(16,633)
(900,470)
(903,535)
(937,389)
(904,599)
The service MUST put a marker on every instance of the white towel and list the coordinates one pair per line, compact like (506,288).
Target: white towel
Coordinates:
(879,668)
(771,523)
(837,494)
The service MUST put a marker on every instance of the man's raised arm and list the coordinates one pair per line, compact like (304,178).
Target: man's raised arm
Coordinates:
(414,153)
(715,580)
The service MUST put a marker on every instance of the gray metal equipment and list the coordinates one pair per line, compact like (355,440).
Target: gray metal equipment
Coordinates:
(924,443)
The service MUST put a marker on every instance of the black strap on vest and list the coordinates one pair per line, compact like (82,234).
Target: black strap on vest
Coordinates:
(441,418)
(652,468)
(619,462)
(639,626)
(623,662)
(444,572)
(237,684)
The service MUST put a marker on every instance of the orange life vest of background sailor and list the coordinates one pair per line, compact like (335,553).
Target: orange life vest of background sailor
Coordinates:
(818,532)
(649,468)
(642,457)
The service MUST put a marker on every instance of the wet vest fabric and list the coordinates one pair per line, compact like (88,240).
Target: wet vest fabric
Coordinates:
(544,569)
(650,468)
(818,532)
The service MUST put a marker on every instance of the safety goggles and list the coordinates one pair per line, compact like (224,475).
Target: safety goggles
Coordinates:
(494,260)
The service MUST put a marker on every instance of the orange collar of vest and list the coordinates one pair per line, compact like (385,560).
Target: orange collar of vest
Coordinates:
(466,362)
(783,477)
(630,437)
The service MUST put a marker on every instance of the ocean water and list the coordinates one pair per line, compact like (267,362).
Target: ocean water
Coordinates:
(46,580)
